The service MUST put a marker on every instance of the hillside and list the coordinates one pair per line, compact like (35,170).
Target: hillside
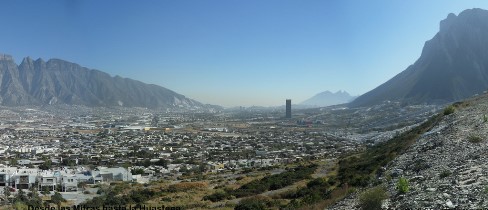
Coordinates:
(445,167)
(453,65)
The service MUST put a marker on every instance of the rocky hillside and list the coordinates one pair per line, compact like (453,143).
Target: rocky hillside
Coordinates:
(453,65)
(36,82)
(446,167)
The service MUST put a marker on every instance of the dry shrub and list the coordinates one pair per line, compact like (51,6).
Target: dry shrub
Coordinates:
(185,186)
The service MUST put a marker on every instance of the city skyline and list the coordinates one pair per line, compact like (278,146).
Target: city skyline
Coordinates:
(232,53)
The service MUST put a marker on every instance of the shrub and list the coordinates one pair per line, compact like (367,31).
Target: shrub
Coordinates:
(449,110)
(402,185)
(186,186)
(485,118)
(217,196)
(474,139)
(372,198)
(253,203)
(444,174)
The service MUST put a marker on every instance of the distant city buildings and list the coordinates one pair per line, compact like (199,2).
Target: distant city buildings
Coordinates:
(288,108)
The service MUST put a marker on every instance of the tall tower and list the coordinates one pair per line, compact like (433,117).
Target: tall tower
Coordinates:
(288,108)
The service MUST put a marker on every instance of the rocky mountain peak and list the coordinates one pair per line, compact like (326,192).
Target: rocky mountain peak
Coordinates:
(27,62)
(453,65)
(5,57)
(447,23)
(61,82)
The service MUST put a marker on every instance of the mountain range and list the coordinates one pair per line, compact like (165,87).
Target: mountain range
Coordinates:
(453,65)
(328,98)
(36,82)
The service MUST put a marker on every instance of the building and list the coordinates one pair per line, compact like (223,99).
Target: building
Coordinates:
(288,108)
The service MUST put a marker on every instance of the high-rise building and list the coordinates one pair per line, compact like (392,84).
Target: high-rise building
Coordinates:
(288,108)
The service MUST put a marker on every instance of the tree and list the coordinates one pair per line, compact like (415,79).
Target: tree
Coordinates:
(46,165)
(137,171)
(82,185)
(21,197)
(57,199)
(34,199)
(45,191)
(6,192)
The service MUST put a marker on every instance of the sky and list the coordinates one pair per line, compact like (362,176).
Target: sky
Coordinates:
(231,52)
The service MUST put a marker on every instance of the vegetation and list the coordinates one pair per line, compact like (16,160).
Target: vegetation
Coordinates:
(485,118)
(274,182)
(218,196)
(271,182)
(6,192)
(253,203)
(57,199)
(316,190)
(23,200)
(372,198)
(449,110)
(357,170)
(444,174)
(402,185)
(474,139)
(137,171)
(116,195)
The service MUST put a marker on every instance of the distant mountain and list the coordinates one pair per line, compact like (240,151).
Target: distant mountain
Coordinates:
(61,82)
(453,65)
(328,98)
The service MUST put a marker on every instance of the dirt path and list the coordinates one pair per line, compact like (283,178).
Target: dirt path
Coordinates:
(321,171)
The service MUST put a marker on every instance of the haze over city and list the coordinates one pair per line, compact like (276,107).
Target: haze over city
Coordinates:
(231,53)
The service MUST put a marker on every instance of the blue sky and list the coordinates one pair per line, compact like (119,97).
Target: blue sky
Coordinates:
(231,52)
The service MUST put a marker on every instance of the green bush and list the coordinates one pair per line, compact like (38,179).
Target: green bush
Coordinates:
(449,110)
(402,185)
(474,139)
(372,198)
(253,203)
(217,196)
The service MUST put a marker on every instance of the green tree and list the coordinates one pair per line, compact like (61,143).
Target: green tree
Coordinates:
(34,199)
(21,196)
(57,199)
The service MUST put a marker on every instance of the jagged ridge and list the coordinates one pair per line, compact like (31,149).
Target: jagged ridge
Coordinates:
(62,82)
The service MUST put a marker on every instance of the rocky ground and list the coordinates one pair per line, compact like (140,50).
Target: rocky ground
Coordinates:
(446,168)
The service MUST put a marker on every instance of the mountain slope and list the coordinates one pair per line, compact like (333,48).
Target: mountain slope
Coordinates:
(453,65)
(61,82)
(328,98)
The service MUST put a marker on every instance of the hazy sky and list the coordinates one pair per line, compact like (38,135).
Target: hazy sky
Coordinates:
(231,52)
